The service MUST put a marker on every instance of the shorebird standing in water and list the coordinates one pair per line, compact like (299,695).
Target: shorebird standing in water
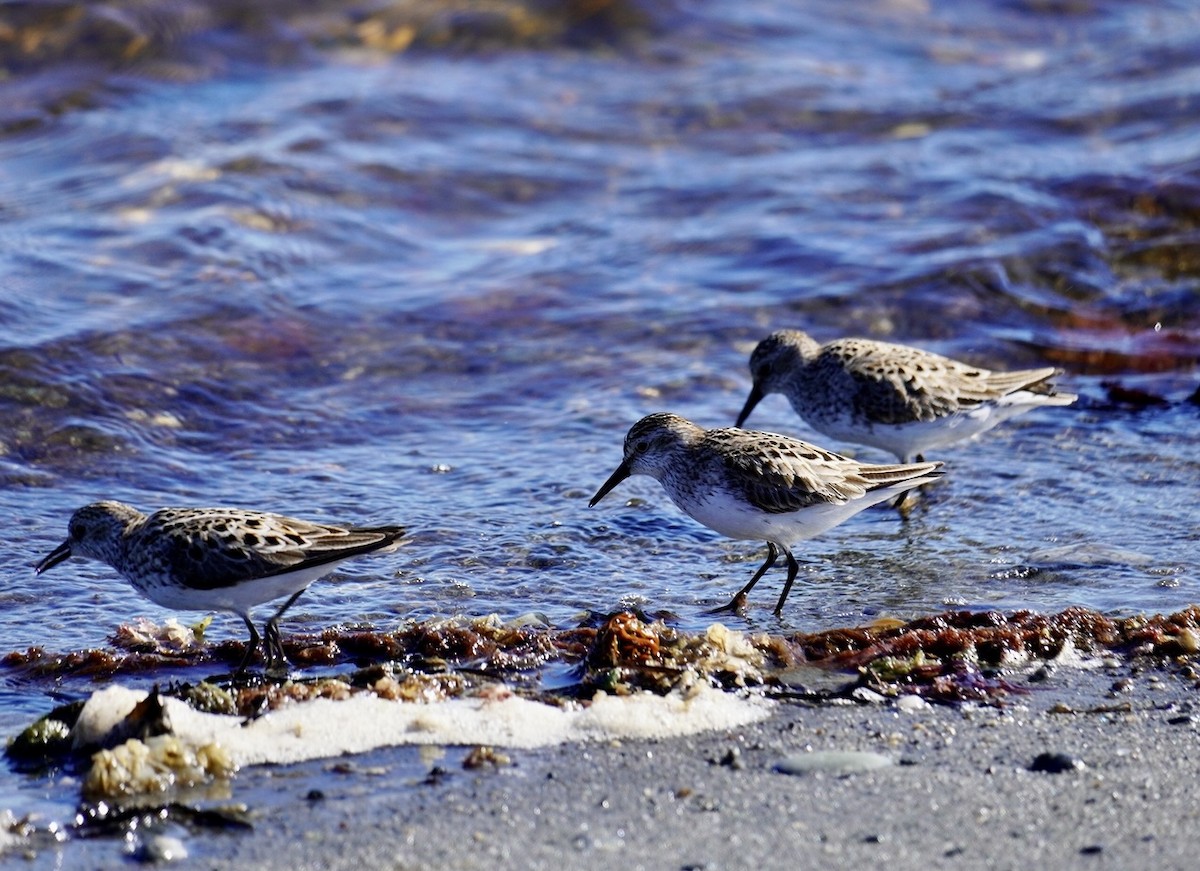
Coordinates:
(757,485)
(901,399)
(217,559)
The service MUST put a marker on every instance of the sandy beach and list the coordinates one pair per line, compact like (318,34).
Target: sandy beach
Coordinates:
(960,794)
(1083,768)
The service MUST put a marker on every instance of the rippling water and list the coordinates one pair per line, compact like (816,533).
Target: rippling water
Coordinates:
(434,280)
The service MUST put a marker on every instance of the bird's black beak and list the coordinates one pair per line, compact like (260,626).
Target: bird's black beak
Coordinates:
(752,400)
(614,479)
(59,554)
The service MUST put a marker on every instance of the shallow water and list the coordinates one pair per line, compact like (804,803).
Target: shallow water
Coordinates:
(435,286)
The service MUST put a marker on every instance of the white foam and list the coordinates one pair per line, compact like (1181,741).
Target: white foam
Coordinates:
(324,727)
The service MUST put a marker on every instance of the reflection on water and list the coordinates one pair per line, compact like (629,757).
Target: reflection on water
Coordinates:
(370,268)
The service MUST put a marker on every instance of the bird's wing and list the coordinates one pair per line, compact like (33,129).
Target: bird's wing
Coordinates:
(210,548)
(898,384)
(778,474)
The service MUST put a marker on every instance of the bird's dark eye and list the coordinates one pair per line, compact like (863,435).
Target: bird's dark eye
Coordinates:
(641,446)
(764,371)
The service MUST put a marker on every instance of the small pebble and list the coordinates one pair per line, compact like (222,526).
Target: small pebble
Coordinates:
(862,694)
(810,680)
(911,704)
(1043,673)
(732,759)
(1056,763)
(160,848)
(485,757)
(834,761)
(435,776)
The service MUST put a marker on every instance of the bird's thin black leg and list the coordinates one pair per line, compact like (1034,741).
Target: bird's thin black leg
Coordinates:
(793,568)
(274,643)
(251,646)
(736,603)
(907,501)
(271,644)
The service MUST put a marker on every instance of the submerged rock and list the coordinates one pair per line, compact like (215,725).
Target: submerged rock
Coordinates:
(46,739)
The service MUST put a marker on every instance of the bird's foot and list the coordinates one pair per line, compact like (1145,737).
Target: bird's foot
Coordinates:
(907,502)
(278,671)
(736,605)
(240,679)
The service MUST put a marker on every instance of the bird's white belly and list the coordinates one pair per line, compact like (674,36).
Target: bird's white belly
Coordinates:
(240,597)
(907,440)
(736,519)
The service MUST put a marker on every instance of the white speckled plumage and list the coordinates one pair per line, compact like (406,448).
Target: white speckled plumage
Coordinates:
(901,399)
(757,485)
(225,559)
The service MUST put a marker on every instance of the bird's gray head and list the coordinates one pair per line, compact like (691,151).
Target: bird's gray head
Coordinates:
(650,445)
(655,438)
(95,532)
(775,361)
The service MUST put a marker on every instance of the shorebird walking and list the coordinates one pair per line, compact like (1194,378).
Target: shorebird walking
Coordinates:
(757,485)
(217,559)
(895,397)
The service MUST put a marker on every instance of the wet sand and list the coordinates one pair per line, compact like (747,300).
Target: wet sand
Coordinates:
(960,794)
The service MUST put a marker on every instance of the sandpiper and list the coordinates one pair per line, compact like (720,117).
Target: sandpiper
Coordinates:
(217,559)
(757,485)
(902,399)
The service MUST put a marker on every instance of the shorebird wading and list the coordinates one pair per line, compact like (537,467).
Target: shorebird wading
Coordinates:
(222,559)
(902,399)
(757,485)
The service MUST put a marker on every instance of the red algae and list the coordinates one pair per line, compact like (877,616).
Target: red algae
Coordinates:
(36,662)
(624,640)
(931,654)
(988,636)
(954,656)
